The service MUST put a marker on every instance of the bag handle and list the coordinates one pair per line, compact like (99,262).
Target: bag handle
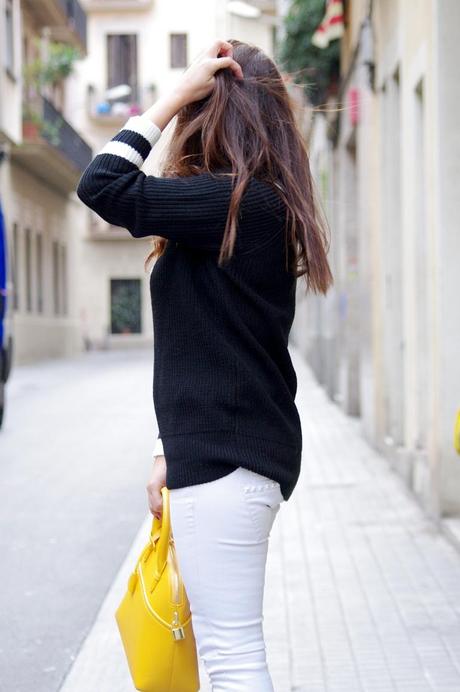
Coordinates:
(161,531)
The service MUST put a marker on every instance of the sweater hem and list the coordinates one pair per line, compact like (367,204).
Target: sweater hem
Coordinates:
(264,438)
(194,458)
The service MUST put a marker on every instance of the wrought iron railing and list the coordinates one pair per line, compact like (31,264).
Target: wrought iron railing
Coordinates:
(49,124)
(60,134)
(76,17)
(103,106)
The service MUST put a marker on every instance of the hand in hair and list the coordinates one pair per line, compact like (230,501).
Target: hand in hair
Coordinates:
(198,80)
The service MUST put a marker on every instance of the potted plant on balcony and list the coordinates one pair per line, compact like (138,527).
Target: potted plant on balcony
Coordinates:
(52,69)
(39,74)
(59,63)
(32,123)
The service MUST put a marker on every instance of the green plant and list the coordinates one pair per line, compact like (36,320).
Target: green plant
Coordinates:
(61,59)
(317,69)
(52,131)
(30,114)
(58,66)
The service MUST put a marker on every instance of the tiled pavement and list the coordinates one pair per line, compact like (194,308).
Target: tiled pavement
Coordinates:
(362,591)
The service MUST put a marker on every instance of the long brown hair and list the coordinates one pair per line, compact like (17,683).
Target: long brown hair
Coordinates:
(248,126)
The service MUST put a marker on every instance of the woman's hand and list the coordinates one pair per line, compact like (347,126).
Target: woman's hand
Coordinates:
(197,82)
(199,79)
(156,482)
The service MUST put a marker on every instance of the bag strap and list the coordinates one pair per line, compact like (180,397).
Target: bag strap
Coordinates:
(161,531)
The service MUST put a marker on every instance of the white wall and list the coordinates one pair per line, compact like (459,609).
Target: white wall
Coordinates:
(446,250)
(10,85)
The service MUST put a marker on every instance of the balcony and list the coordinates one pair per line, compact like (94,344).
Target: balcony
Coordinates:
(117,5)
(114,106)
(101,230)
(51,149)
(65,19)
(265,11)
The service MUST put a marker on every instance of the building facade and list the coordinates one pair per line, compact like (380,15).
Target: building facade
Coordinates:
(43,157)
(137,50)
(385,342)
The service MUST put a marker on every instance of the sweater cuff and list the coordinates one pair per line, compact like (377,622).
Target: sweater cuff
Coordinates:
(142,125)
(158,449)
(134,141)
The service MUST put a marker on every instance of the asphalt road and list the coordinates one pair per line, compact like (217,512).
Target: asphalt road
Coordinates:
(75,454)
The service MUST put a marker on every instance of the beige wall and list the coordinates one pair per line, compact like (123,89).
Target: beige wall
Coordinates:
(405,72)
(98,262)
(35,208)
(391,353)
(32,206)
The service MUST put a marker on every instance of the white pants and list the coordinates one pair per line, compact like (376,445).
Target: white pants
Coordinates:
(221,531)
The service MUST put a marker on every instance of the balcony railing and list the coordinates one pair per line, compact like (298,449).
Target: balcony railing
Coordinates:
(51,149)
(76,18)
(65,19)
(61,135)
(112,106)
(101,230)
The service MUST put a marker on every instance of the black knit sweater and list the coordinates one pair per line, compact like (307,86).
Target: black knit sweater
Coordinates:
(224,384)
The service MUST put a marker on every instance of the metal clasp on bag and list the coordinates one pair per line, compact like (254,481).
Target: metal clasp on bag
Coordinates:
(177,630)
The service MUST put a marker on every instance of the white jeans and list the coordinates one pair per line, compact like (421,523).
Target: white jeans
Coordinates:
(221,531)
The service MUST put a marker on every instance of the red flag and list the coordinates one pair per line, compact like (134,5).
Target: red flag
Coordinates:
(332,26)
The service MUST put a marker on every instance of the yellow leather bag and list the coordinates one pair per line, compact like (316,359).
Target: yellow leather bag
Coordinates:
(154,617)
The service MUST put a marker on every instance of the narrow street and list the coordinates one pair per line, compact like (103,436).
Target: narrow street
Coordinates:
(74,459)
(362,592)
(346,113)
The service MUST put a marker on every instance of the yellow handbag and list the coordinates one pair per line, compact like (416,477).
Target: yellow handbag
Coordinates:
(154,617)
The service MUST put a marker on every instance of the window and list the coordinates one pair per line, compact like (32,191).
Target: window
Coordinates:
(125,306)
(178,50)
(55,260)
(15,267)
(39,267)
(122,62)
(9,37)
(28,259)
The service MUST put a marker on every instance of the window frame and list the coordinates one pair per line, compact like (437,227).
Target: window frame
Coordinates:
(112,49)
(9,51)
(178,56)
(137,281)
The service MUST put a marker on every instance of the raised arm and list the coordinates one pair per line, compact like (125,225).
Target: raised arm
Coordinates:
(189,209)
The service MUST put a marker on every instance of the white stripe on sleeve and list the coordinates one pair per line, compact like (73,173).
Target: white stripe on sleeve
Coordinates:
(143,126)
(124,150)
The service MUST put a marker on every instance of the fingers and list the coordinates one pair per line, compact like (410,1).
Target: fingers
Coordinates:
(220,47)
(155,500)
(220,63)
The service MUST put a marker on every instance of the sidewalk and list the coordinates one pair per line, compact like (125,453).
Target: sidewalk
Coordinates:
(362,592)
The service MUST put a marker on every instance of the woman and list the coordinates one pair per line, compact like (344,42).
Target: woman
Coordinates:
(235,224)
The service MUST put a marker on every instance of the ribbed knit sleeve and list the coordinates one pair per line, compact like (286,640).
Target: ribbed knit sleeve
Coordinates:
(191,209)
